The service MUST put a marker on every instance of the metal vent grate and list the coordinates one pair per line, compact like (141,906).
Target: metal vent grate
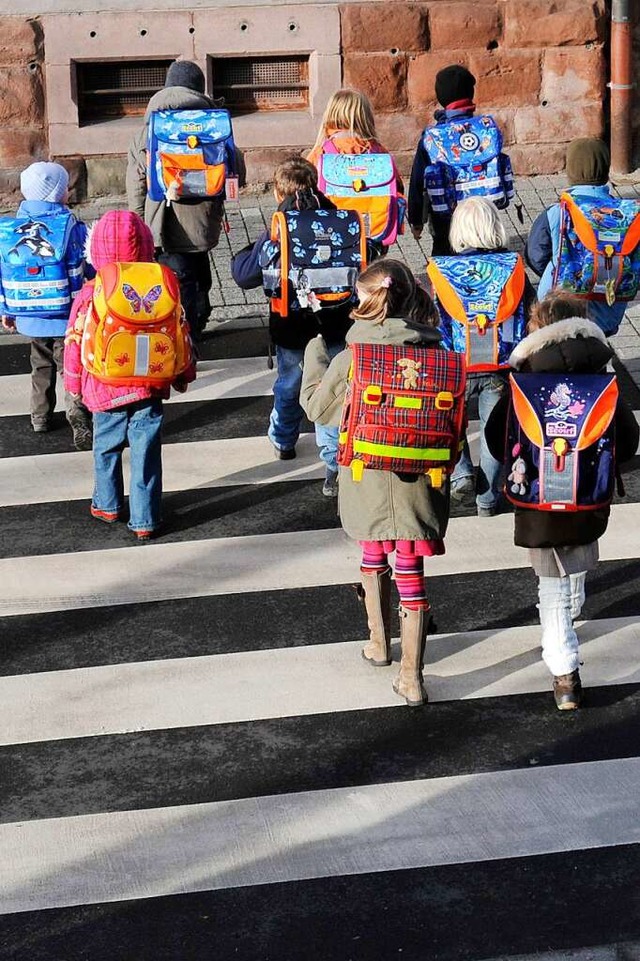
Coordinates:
(261,83)
(120,88)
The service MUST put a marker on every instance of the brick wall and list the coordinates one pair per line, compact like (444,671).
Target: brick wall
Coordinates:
(540,68)
(22,104)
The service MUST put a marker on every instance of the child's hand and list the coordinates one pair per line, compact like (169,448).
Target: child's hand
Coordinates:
(8,323)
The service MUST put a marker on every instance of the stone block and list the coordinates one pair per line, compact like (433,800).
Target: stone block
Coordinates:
(22,98)
(381,76)
(106,176)
(400,132)
(262,161)
(20,146)
(528,160)
(20,40)
(573,74)
(546,125)
(506,78)
(505,118)
(421,76)
(76,167)
(463,26)
(552,23)
(368,28)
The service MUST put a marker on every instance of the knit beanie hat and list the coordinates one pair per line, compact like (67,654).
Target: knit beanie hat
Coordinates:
(454,83)
(588,162)
(119,235)
(184,73)
(44,181)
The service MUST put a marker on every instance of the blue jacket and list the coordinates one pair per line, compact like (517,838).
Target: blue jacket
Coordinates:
(541,254)
(34,326)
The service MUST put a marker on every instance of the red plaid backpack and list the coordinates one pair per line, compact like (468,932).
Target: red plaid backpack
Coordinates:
(404,411)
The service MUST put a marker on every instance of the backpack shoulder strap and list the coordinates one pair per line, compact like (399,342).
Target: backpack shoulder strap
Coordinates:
(280,235)
(513,291)
(446,294)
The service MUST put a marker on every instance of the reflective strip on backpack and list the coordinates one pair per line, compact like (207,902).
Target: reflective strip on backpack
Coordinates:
(141,364)
(38,301)
(324,276)
(35,284)
(484,183)
(401,453)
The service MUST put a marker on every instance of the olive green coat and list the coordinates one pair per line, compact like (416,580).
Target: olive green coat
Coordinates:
(383,505)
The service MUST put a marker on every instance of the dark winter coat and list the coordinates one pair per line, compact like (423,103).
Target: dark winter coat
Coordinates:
(294,332)
(574,346)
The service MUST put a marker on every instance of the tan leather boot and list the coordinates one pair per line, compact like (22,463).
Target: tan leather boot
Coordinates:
(413,634)
(376,595)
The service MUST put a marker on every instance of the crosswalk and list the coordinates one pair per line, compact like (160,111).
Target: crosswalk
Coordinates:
(197,764)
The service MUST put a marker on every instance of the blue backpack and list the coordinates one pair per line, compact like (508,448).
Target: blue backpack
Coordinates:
(41,264)
(480,300)
(599,248)
(190,152)
(312,259)
(560,445)
(466,160)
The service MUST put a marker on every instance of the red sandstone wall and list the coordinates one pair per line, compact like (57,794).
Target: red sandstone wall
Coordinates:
(22,110)
(540,68)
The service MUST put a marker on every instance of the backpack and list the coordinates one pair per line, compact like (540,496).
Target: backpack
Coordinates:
(480,299)
(367,183)
(193,149)
(599,248)
(466,160)
(312,259)
(404,411)
(135,334)
(41,264)
(560,446)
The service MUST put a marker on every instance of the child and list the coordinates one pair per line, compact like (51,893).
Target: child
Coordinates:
(385,511)
(587,170)
(448,154)
(295,188)
(44,236)
(123,414)
(563,545)
(483,272)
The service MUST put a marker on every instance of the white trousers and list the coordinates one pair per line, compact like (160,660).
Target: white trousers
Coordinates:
(561,600)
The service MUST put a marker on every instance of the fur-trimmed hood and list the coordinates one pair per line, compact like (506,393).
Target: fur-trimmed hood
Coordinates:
(574,345)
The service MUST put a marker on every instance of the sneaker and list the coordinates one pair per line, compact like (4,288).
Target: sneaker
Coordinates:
(144,535)
(487,511)
(462,488)
(82,437)
(284,454)
(109,517)
(330,486)
(41,425)
(567,691)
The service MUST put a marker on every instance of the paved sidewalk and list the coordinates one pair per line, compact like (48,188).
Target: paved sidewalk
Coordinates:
(252,214)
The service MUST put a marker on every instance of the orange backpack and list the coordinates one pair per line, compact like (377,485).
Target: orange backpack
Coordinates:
(135,333)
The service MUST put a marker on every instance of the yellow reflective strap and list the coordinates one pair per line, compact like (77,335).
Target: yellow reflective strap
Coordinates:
(410,403)
(403,453)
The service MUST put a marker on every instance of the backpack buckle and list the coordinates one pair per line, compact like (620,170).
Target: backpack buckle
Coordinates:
(357,470)
(192,141)
(560,447)
(444,400)
(481,323)
(436,476)
(359,185)
(372,395)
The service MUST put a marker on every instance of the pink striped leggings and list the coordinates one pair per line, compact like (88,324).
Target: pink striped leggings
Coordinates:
(409,571)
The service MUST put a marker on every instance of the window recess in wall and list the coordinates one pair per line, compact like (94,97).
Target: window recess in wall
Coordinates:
(261,83)
(117,88)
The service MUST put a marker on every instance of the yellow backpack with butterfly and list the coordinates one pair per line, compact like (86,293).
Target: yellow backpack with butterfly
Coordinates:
(135,333)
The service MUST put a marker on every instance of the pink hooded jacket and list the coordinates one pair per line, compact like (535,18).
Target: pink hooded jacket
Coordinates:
(119,235)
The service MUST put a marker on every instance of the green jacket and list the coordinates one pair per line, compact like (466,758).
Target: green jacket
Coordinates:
(383,505)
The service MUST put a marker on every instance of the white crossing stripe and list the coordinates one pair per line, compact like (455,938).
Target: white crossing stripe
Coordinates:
(317,679)
(128,855)
(44,478)
(264,562)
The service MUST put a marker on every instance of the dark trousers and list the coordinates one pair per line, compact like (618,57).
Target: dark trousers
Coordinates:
(46,363)
(193,271)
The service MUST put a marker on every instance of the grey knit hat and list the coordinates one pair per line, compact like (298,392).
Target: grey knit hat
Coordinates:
(185,73)
(44,181)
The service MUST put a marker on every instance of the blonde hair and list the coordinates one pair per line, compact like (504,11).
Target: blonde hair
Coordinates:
(296,176)
(386,289)
(557,305)
(348,110)
(476,224)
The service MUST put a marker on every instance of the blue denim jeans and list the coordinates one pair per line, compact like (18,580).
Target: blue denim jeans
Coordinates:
(139,425)
(489,389)
(287,414)
(561,600)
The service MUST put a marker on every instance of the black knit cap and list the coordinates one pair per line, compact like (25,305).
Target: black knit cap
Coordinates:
(454,83)
(184,73)
(588,162)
